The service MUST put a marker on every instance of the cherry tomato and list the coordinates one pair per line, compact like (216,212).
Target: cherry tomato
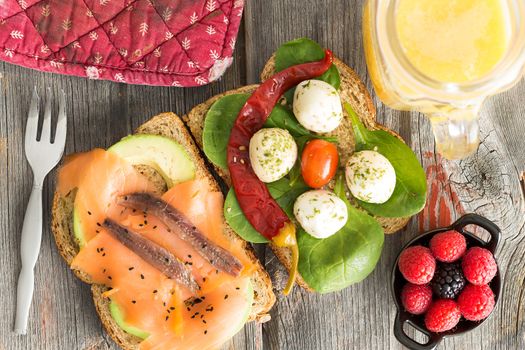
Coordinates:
(319,162)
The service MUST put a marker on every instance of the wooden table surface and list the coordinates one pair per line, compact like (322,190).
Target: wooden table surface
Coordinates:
(360,317)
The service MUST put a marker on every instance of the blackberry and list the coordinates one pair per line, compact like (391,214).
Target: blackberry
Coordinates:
(448,281)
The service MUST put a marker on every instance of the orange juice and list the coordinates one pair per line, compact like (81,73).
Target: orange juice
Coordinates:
(444,58)
(452,40)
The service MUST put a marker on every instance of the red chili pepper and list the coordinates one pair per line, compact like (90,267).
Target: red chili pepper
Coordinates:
(253,196)
(261,210)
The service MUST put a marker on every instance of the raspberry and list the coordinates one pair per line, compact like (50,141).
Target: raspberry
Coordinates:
(416,298)
(479,266)
(476,302)
(448,246)
(442,315)
(448,281)
(417,264)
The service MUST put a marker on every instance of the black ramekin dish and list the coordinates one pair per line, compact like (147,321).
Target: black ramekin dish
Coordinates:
(398,281)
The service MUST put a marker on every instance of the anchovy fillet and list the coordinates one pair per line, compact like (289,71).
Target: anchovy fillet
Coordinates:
(181,226)
(153,254)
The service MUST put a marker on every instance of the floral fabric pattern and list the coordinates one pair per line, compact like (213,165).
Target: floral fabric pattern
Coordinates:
(151,42)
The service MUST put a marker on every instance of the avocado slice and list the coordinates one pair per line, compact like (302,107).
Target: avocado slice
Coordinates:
(118,316)
(77,228)
(163,154)
(249,293)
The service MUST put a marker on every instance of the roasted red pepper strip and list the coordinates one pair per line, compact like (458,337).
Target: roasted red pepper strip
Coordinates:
(261,210)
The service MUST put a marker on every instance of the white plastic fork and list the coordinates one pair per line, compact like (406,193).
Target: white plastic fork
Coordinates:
(42,155)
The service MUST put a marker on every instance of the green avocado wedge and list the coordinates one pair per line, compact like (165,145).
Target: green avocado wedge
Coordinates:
(410,192)
(118,316)
(77,229)
(347,257)
(163,154)
(222,115)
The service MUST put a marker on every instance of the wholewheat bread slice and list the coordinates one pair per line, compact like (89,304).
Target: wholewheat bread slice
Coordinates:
(352,91)
(169,125)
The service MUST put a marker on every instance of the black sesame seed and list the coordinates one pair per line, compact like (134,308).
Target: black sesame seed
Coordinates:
(134,301)
(155,291)
(204,321)
(226,297)
(167,318)
(109,278)
(103,254)
(141,276)
(154,227)
(205,332)
(189,256)
(131,268)
(89,213)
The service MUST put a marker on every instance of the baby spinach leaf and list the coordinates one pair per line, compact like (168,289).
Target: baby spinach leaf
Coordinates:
(218,125)
(347,257)
(409,195)
(221,117)
(281,190)
(238,222)
(304,50)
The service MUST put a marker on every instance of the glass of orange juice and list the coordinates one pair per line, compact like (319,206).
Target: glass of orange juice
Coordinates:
(444,58)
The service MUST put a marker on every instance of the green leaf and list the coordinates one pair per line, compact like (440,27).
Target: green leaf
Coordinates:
(345,258)
(221,117)
(218,125)
(238,222)
(281,190)
(303,51)
(282,117)
(410,193)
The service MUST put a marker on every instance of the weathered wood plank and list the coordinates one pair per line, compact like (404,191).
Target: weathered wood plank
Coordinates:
(359,317)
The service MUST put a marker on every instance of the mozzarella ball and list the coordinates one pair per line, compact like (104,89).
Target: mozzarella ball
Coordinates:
(321,213)
(273,152)
(317,106)
(370,177)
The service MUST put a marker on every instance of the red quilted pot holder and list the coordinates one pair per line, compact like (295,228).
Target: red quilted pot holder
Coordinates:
(153,42)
